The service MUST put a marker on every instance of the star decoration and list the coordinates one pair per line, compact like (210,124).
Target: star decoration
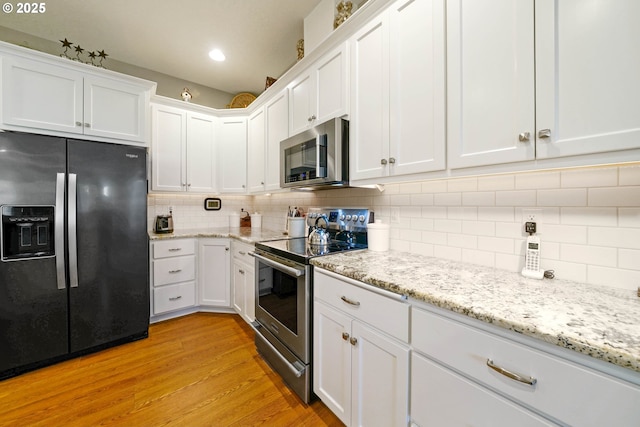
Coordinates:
(102,54)
(79,50)
(65,43)
(92,55)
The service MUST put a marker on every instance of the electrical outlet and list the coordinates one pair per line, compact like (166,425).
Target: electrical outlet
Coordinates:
(532,215)
(395,215)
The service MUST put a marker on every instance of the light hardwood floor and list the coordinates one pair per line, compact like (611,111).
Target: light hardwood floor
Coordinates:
(198,370)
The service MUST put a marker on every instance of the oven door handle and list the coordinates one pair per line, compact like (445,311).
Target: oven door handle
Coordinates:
(278,266)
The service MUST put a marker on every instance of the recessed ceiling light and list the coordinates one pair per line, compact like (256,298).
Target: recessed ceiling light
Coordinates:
(217,55)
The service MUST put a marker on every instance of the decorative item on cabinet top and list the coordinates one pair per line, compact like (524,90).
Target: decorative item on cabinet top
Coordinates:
(344,9)
(186,95)
(269,82)
(242,100)
(66,44)
(300,48)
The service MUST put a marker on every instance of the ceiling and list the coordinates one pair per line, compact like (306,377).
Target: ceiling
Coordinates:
(258,37)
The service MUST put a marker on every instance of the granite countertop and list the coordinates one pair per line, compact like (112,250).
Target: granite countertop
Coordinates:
(597,321)
(244,234)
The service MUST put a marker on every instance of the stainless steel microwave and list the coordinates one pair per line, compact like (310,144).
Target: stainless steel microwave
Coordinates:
(317,157)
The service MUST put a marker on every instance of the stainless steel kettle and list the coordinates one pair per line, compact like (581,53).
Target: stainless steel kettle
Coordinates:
(319,236)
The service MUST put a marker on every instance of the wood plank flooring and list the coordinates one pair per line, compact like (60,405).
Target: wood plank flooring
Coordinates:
(198,370)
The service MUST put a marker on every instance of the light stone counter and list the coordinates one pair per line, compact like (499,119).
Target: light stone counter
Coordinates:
(244,234)
(594,320)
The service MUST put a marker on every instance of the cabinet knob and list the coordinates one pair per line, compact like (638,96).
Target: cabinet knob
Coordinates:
(312,118)
(241,272)
(261,182)
(188,185)
(78,123)
(345,336)
(353,340)
(524,137)
(226,249)
(383,161)
(87,125)
(392,160)
(544,133)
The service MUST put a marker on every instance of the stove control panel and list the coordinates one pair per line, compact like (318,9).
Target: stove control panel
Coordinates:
(352,219)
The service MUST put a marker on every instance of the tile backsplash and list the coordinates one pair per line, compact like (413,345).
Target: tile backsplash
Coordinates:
(588,218)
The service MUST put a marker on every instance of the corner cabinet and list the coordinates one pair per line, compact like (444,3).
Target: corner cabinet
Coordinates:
(46,94)
(320,92)
(213,273)
(547,79)
(184,155)
(398,92)
(361,359)
(232,146)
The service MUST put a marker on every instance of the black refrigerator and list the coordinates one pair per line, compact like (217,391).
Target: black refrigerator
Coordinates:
(74,248)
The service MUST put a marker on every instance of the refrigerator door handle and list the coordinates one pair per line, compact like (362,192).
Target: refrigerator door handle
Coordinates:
(73,238)
(59,231)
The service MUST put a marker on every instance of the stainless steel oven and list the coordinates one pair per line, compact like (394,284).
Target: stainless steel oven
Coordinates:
(284,293)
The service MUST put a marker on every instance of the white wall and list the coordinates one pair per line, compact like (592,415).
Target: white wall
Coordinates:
(590,225)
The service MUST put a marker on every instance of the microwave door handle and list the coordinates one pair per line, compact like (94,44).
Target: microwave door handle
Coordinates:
(321,143)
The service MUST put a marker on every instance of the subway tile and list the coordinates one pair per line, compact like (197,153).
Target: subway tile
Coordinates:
(400,200)
(422,199)
(537,180)
(463,213)
(576,234)
(613,277)
(434,212)
(472,256)
(409,235)
(462,184)
(419,248)
(495,244)
(439,186)
(496,182)
(446,252)
(563,197)
(589,177)
(604,217)
(509,262)
(479,228)
(509,229)
(629,259)
(479,198)
(629,175)
(549,250)
(504,214)
(422,224)
(594,255)
(399,245)
(615,196)
(448,199)
(410,188)
(516,198)
(629,217)
(626,238)
(462,241)
(434,237)
(567,270)
(447,225)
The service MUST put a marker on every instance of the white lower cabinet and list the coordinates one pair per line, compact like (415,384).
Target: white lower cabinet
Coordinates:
(243,281)
(173,275)
(360,372)
(213,277)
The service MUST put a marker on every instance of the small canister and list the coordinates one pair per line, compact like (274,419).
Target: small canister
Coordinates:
(234,220)
(297,226)
(256,220)
(378,236)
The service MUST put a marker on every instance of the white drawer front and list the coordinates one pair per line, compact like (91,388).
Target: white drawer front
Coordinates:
(383,313)
(241,252)
(173,247)
(174,297)
(560,388)
(174,270)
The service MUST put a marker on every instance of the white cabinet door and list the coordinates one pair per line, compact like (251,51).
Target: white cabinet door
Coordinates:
(115,109)
(232,161)
(277,111)
(213,268)
(417,88)
(369,125)
(490,81)
(201,153)
(332,360)
(380,367)
(256,151)
(587,76)
(332,85)
(168,148)
(41,96)
(437,393)
(239,275)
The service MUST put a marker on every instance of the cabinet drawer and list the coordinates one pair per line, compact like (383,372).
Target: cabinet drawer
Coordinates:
(561,389)
(174,297)
(173,247)
(388,315)
(174,270)
(241,252)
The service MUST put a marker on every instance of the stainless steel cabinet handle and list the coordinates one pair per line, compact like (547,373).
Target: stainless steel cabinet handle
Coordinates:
(524,137)
(175,271)
(353,340)
(175,298)
(72,224)
(175,249)
(242,252)
(392,160)
(527,380)
(544,133)
(383,161)
(345,336)
(348,301)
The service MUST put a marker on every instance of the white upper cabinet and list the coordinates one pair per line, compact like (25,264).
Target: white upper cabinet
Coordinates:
(398,92)
(277,112)
(587,76)
(183,150)
(232,164)
(545,79)
(256,150)
(320,92)
(47,95)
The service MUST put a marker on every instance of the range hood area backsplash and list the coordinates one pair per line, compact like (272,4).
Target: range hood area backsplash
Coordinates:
(589,224)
